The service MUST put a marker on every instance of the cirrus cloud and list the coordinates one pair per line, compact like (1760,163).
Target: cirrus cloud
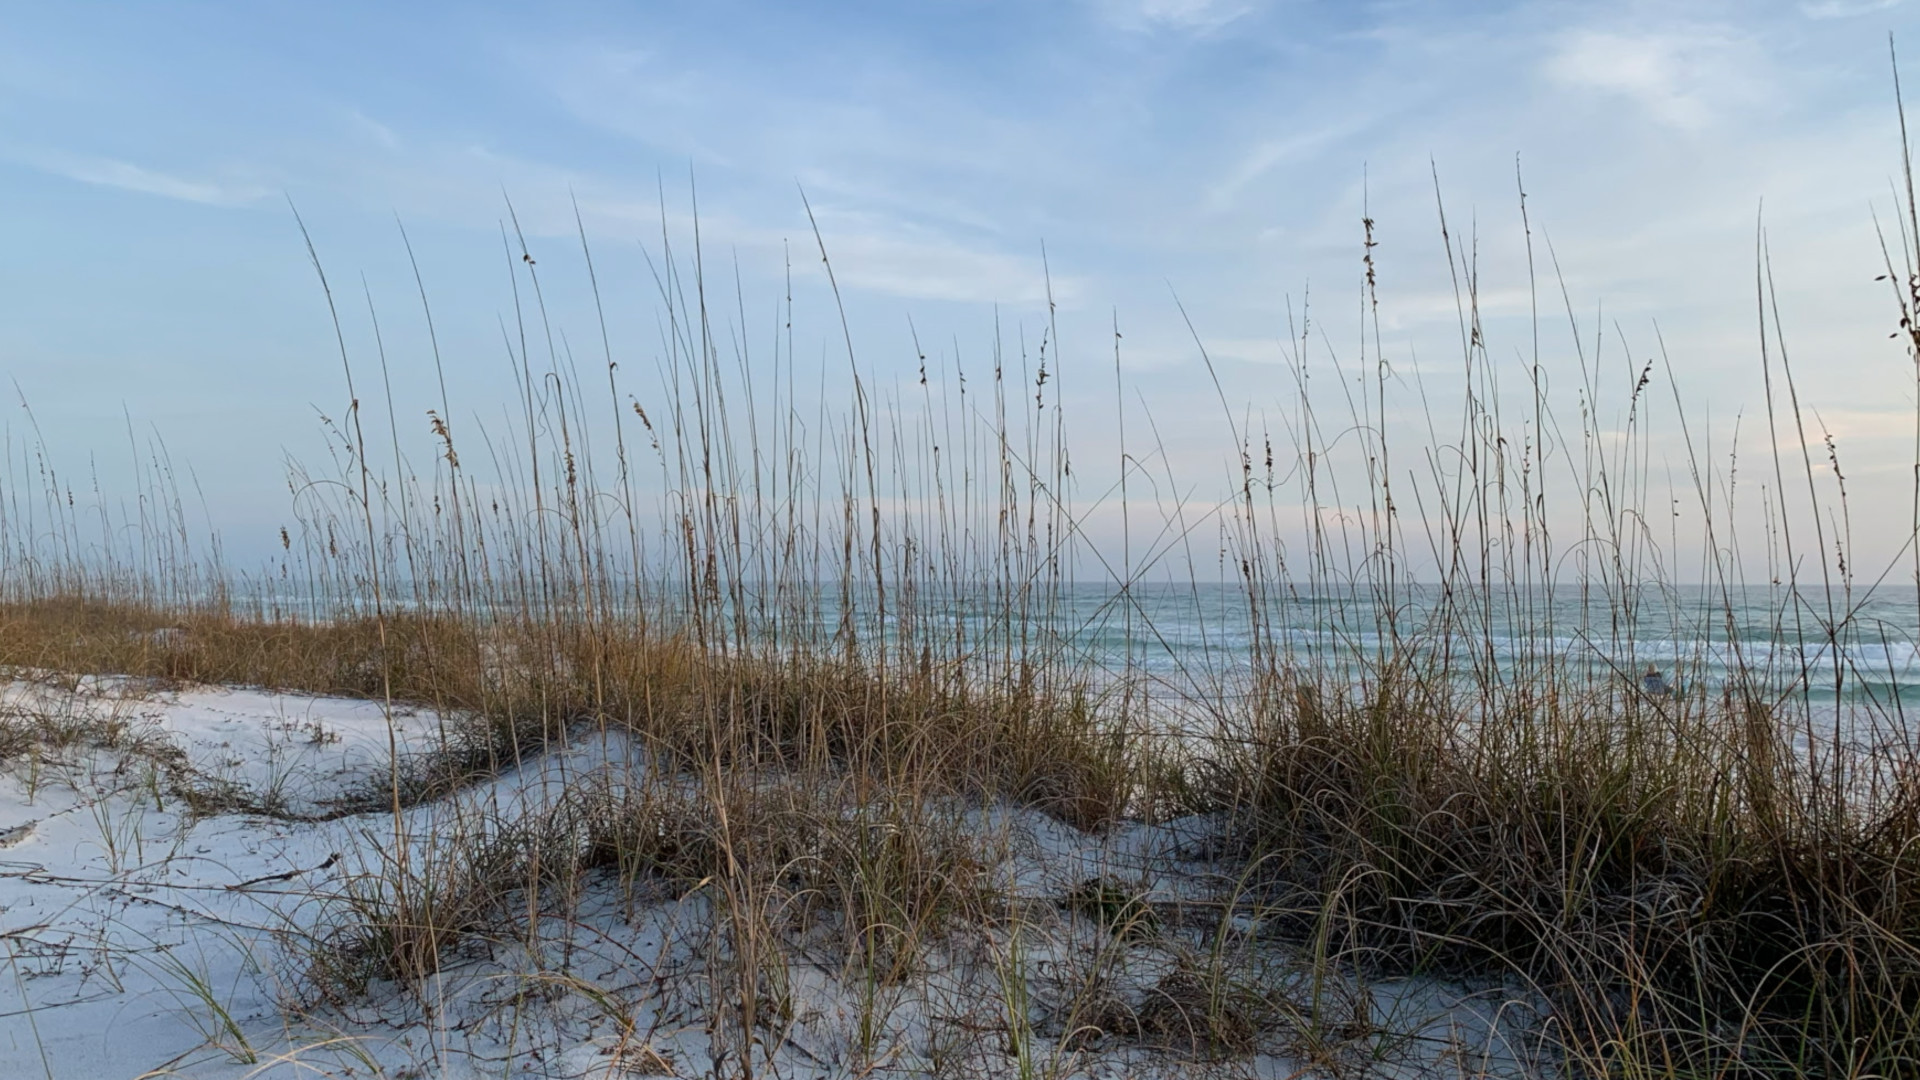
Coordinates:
(1683,78)
(113,173)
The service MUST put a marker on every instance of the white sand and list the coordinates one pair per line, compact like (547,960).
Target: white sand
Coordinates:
(138,940)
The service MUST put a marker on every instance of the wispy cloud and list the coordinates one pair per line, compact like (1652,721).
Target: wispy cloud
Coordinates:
(1845,9)
(1190,16)
(872,249)
(1270,154)
(1681,77)
(109,172)
(904,260)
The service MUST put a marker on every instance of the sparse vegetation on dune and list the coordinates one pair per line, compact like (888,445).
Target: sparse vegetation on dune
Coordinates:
(839,651)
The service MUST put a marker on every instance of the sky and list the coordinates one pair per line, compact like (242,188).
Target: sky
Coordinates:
(1193,171)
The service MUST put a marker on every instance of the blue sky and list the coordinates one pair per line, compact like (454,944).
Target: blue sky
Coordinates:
(1213,150)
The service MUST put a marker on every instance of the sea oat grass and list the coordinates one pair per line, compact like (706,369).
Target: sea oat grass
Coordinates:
(1678,902)
(827,632)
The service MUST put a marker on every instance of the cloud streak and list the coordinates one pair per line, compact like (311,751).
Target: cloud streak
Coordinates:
(1845,9)
(1184,16)
(126,176)
(1683,78)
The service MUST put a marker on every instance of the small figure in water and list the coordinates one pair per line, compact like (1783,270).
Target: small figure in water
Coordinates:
(1655,684)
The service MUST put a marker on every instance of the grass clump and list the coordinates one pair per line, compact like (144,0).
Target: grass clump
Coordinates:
(1679,897)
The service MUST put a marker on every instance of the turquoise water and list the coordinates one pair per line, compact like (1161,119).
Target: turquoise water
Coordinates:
(1860,647)
(1208,636)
